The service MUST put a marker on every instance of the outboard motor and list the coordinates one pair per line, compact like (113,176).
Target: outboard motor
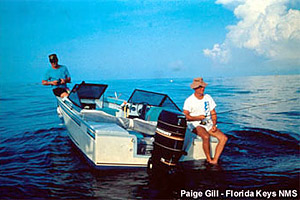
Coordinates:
(168,141)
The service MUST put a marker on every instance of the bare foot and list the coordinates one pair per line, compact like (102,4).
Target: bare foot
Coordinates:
(213,162)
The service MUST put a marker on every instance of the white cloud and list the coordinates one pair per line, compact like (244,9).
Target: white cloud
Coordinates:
(218,53)
(267,27)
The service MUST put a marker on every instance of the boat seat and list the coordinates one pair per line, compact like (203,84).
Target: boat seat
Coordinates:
(108,129)
(110,111)
(137,134)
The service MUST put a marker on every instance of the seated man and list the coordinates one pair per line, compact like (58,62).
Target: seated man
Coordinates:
(199,110)
(58,76)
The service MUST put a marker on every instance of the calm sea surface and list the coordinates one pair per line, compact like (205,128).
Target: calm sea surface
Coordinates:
(260,115)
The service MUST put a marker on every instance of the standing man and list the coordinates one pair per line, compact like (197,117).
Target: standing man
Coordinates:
(199,109)
(58,76)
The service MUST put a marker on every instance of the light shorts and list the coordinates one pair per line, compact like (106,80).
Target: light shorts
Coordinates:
(193,124)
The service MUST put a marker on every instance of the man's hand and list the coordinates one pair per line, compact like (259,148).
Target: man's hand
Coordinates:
(62,81)
(214,128)
(54,82)
(201,117)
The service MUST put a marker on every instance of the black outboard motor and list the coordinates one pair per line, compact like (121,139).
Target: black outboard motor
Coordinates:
(168,141)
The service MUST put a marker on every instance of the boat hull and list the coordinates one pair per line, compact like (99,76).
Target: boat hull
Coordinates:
(97,141)
(107,145)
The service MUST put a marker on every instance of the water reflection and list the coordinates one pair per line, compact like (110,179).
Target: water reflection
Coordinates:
(38,160)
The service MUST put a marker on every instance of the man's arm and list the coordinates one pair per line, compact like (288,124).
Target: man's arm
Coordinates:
(213,114)
(66,80)
(193,118)
(49,82)
(67,77)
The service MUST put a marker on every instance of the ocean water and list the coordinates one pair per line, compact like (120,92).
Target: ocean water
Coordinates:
(260,116)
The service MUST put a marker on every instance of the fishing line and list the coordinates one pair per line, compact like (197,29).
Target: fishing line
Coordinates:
(259,105)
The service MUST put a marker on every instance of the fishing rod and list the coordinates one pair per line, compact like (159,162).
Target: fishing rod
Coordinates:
(259,105)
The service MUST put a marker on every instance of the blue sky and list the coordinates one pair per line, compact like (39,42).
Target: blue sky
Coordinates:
(100,40)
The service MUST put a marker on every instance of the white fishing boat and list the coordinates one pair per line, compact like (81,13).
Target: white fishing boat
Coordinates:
(115,133)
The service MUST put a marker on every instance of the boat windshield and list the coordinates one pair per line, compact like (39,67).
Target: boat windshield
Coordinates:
(86,91)
(152,99)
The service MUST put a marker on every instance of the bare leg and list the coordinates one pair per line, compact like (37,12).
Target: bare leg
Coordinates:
(220,146)
(205,141)
(65,94)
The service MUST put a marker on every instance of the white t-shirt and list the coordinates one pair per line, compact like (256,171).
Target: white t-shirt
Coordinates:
(198,107)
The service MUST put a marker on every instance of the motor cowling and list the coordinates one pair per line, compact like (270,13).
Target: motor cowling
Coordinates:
(169,139)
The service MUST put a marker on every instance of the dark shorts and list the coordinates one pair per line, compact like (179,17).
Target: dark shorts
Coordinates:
(59,91)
